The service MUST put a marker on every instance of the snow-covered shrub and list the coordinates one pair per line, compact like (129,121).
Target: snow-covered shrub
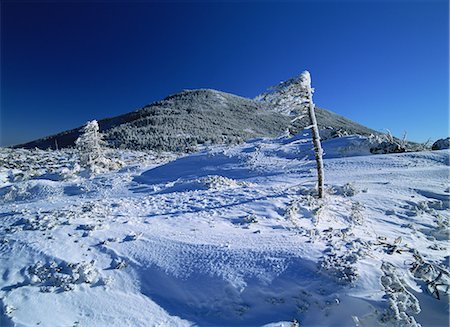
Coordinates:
(246,220)
(14,193)
(341,268)
(217,182)
(442,231)
(68,173)
(356,213)
(387,147)
(64,276)
(436,277)
(251,219)
(340,133)
(386,143)
(21,165)
(425,146)
(42,223)
(346,190)
(329,133)
(292,211)
(441,144)
(340,262)
(421,207)
(104,281)
(402,304)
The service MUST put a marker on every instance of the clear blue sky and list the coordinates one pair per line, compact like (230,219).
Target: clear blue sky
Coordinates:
(383,64)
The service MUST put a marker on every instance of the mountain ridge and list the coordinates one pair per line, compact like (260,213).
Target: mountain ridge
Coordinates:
(183,120)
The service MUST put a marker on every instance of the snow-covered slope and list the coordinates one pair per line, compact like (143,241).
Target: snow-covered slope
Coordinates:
(231,236)
(182,121)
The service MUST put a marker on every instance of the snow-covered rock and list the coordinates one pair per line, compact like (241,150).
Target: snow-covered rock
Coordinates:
(387,147)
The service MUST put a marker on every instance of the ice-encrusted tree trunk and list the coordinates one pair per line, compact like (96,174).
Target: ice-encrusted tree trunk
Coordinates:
(307,101)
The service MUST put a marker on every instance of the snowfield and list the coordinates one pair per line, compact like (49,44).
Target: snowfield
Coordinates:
(228,236)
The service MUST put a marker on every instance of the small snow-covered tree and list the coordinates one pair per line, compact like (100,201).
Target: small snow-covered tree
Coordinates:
(90,146)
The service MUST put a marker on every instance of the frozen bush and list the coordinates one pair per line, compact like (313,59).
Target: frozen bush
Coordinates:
(356,213)
(402,304)
(441,144)
(346,190)
(341,268)
(387,147)
(63,276)
(219,182)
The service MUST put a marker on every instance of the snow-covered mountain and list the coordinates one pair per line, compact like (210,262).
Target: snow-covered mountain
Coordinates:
(184,120)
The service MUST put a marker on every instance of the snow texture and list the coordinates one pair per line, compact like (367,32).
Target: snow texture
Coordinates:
(227,236)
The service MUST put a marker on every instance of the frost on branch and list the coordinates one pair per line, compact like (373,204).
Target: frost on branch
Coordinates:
(305,80)
(401,303)
(294,97)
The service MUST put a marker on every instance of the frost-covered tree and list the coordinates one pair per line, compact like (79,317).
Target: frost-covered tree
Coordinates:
(90,146)
(300,99)
(90,143)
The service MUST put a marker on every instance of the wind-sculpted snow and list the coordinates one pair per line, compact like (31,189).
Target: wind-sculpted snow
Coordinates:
(229,236)
(216,285)
(197,166)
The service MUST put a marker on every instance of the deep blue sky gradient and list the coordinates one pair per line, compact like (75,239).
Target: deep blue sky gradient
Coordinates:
(383,64)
